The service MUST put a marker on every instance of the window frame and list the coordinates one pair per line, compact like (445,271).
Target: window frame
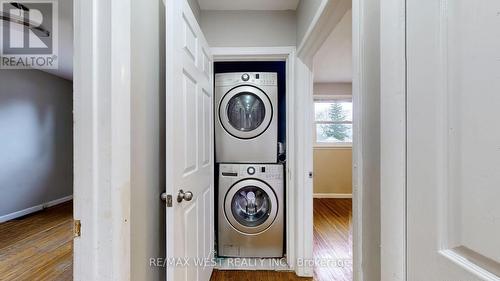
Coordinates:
(330,99)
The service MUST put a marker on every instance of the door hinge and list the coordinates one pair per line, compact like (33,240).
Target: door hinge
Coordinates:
(77,228)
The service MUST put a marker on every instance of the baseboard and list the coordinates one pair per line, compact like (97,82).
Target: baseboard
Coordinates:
(332,195)
(33,209)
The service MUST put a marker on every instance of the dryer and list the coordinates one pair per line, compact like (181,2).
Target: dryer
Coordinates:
(251,211)
(246,125)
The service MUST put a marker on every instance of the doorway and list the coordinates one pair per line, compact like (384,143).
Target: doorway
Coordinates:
(36,129)
(332,135)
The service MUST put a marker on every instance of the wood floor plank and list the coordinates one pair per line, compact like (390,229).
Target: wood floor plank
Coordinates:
(18,229)
(38,246)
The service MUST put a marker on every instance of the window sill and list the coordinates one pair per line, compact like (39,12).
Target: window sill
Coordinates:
(332,146)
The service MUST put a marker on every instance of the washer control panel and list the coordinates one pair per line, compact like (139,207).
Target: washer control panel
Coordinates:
(256,78)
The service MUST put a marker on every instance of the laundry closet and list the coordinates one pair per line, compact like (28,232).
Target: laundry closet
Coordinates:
(250,130)
(237,125)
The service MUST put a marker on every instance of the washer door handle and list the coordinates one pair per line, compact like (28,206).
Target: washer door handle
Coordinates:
(187,196)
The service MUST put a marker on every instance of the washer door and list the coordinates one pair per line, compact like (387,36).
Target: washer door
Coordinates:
(245,112)
(251,206)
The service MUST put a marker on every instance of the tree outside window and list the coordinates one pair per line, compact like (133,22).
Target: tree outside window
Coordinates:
(333,122)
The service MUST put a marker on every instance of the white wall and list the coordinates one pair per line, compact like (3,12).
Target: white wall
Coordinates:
(249,28)
(36,139)
(148,138)
(306,11)
(333,61)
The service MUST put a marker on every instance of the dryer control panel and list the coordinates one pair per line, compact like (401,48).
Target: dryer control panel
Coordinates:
(236,78)
(263,171)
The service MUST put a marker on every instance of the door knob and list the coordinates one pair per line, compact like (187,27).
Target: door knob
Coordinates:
(188,195)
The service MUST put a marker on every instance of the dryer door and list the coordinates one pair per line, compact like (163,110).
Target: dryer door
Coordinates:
(251,206)
(245,112)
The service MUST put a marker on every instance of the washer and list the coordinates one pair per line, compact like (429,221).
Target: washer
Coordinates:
(251,211)
(246,126)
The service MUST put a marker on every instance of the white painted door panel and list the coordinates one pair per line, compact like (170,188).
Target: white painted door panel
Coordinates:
(453,147)
(190,230)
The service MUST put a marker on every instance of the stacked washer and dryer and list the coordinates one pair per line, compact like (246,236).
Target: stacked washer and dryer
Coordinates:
(250,193)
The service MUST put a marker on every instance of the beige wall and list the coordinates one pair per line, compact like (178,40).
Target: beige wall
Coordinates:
(333,170)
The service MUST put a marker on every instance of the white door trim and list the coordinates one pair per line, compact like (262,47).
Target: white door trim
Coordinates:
(287,54)
(393,140)
(303,159)
(102,139)
(252,53)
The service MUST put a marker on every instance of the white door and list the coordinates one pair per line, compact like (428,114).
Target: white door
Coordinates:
(453,140)
(189,142)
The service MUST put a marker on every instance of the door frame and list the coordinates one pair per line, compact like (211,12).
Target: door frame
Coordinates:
(102,150)
(287,54)
(393,120)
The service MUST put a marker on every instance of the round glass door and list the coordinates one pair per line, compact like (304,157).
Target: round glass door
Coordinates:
(251,206)
(245,112)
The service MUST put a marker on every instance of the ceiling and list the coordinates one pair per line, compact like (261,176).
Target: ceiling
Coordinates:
(333,61)
(254,5)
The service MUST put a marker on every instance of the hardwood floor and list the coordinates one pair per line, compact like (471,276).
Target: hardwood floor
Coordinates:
(333,239)
(332,246)
(255,275)
(38,246)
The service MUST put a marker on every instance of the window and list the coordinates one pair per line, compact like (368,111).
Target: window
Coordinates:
(333,121)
